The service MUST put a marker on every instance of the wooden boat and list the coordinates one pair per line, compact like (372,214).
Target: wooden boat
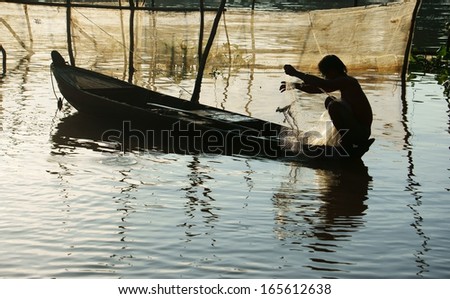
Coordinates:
(186,126)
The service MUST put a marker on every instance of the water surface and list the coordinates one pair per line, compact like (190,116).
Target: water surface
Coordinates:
(74,207)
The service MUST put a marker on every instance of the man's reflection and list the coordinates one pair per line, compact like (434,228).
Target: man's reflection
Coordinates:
(343,191)
(319,206)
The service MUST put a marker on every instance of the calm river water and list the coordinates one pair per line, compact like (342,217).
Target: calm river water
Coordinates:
(73,207)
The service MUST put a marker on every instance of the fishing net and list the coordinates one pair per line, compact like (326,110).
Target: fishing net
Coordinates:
(297,133)
(371,37)
(364,37)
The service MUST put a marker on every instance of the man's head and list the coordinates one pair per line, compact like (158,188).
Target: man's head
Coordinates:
(331,66)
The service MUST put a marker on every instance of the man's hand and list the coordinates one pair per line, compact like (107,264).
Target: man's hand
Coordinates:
(289,86)
(283,86)
(290,70)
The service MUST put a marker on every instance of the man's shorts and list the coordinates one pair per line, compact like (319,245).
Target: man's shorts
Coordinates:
(357,131)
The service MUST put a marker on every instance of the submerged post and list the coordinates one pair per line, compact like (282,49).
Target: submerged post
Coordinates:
(198,82)
(3,59)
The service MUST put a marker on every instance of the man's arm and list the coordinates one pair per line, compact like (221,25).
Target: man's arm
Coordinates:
(314,81)
(300,86)
(308,88)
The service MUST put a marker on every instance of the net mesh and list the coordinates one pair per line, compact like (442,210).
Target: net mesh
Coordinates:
(364,37)
(298,133)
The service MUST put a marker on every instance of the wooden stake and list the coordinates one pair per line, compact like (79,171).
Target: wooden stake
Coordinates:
(4,59)
(131,51)
(409,43)
(202,28)
(198,82)
(69,32)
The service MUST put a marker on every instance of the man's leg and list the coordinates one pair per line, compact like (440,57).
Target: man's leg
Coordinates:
(339,115)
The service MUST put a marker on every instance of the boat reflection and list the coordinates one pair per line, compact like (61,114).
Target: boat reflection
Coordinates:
(77,130)
(116,136)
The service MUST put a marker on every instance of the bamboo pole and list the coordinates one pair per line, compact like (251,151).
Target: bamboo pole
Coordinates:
(202,28)
(69,32)
(198,82)
(447,25)
(87,5)
(122,29)
(27,17)
(3,59)
(15,35)
(131,51)
(409,43)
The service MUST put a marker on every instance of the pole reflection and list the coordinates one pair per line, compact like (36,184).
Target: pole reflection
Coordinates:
(413,186)
(200,203)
